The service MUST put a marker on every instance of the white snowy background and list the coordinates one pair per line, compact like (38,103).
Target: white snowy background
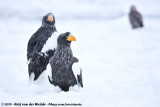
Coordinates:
(121,66)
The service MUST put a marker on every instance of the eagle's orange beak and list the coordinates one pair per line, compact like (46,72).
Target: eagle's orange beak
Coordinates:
(50,18)
(71,38)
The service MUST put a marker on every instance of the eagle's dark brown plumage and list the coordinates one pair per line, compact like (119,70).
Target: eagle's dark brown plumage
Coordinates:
(38,60)
(135,18)
(62,62)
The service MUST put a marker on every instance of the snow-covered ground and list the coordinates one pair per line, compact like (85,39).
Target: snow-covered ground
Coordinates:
(121,66)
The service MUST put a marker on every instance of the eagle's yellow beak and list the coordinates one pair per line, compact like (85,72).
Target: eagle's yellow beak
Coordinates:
(50,18)
(71,38)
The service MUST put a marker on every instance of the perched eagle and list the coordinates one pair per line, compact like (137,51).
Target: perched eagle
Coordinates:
(64,74)
(135,18)
(38,50)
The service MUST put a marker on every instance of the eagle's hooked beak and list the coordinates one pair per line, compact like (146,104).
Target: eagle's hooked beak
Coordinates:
(50,18)
(71,38)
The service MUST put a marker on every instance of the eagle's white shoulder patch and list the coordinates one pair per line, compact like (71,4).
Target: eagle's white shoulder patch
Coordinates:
(51,43)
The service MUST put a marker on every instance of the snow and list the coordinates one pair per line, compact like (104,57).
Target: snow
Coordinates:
(120,66)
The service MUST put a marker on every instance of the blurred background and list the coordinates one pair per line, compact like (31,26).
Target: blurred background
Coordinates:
(121,65)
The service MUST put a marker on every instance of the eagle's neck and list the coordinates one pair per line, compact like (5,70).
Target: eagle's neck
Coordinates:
(63,51)
(52,27)
(63,55)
